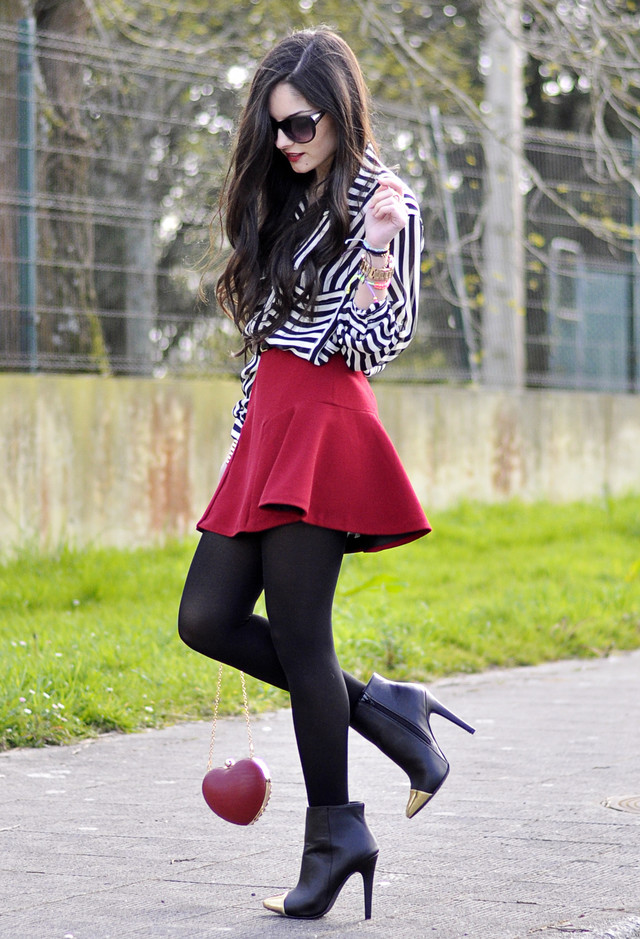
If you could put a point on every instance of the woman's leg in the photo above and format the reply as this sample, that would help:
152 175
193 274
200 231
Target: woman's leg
301 564
298 566
216 615
216 618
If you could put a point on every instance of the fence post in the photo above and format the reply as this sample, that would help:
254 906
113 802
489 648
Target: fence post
634 306
27 224
503 317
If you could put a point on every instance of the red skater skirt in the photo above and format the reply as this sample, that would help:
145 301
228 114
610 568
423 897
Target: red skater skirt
313 449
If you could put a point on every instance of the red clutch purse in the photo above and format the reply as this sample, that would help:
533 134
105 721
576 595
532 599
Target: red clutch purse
237 792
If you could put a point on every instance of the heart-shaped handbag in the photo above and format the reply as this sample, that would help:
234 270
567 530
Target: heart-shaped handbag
239 791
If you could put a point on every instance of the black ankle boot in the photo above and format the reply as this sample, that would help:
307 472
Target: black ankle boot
395 717
337 844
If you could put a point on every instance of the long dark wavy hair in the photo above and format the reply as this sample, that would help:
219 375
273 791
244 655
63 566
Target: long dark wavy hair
262 192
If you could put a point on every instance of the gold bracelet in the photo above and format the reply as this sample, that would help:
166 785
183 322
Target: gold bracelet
386 258
379 274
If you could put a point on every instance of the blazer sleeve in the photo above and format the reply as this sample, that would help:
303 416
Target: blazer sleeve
369 338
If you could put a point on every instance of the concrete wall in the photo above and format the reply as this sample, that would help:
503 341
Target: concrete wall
128 461
490 446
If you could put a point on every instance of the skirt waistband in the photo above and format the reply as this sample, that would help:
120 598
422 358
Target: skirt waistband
284 379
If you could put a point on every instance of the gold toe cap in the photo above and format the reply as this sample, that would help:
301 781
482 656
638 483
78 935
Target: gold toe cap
416 801
275 904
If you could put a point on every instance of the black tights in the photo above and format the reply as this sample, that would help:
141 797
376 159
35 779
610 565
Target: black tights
297 566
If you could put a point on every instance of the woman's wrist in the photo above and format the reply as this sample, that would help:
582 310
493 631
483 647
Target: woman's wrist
379 272
377 261
374 274
374 249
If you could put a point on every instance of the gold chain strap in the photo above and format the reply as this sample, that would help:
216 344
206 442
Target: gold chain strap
245 707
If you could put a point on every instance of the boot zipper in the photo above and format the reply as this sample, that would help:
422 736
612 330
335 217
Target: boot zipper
403 721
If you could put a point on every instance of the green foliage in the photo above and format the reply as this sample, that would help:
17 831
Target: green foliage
88 641
510 585
88 644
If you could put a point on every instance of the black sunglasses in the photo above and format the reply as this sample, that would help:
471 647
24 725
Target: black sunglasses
301 128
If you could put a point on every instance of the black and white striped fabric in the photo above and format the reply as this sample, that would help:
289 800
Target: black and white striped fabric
367 338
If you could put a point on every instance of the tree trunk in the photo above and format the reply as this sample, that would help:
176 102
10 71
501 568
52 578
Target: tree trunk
140 291
503 328
68 235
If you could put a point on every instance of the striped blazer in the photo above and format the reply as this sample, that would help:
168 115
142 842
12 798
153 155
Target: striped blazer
367 338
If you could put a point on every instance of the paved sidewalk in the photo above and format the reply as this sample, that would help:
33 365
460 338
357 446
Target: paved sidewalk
535 833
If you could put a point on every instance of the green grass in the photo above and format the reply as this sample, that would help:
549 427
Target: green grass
88 641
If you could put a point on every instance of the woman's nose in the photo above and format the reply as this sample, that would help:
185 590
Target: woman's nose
281 139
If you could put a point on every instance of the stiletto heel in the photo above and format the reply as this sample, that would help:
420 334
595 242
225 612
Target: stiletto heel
395 717
337 844
436 707
368 872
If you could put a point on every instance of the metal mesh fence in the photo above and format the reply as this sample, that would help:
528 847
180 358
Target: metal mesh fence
111 162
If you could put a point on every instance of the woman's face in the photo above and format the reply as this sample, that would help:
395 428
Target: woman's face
317 154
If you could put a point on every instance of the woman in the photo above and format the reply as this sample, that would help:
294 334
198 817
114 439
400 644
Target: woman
323 283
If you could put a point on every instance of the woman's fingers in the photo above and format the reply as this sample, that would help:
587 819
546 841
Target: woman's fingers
390 181
386 212
388 202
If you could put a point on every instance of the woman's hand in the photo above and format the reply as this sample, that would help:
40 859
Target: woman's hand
386 213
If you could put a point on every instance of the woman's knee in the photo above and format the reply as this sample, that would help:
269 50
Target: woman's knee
204 631
219 592
194 625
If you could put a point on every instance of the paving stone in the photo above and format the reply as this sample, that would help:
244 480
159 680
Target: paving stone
536 832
